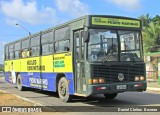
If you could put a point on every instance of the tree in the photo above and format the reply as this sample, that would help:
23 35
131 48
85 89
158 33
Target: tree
156 19
1 69
150 32
146 19
151 36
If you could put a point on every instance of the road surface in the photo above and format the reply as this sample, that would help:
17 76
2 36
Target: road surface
51 99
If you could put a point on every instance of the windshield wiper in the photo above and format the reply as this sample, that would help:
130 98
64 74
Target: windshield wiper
105 58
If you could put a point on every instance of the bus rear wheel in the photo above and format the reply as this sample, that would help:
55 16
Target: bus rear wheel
19 83
110 96
63 90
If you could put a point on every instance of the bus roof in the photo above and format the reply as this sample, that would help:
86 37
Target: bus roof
87 23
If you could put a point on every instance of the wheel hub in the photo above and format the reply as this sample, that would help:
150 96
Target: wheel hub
62 89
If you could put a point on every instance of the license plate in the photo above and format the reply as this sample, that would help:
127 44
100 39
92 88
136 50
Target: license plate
120 87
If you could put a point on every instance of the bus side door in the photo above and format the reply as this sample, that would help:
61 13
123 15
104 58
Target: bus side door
79 62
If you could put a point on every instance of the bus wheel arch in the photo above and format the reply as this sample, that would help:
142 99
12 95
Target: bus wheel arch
58 77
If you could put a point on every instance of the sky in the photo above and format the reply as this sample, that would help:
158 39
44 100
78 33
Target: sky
38 15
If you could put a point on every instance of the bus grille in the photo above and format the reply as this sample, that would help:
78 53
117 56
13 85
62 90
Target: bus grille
110 73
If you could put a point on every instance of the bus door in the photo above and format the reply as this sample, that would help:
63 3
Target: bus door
80 85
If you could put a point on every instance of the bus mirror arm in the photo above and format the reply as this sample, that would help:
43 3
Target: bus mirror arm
86 36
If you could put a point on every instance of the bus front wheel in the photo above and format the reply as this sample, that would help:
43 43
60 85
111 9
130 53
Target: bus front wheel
63 90
19 83
110 96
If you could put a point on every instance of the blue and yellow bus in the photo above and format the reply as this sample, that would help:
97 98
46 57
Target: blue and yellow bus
94 54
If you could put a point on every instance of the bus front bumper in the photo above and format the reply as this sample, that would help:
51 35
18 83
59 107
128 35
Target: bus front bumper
116 88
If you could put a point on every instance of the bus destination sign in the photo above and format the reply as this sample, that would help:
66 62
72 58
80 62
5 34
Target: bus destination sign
115 22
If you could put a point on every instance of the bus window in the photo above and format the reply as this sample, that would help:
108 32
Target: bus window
47 49
25 46
62 34
35 46
11 53
35 51
6 52
6 56
47 38
47 43
103 43
17 49
10 48
82 36
62 46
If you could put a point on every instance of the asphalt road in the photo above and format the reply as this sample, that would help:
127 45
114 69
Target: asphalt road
97 101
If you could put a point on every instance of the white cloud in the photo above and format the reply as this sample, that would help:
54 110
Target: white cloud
127 4
75 8
27 11
11 21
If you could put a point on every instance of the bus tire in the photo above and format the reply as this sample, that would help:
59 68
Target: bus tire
110 96
19 83
63 90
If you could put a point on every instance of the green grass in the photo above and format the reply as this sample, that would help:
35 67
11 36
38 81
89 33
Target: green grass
1 93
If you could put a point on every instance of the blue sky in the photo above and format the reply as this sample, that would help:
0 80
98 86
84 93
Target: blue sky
37 15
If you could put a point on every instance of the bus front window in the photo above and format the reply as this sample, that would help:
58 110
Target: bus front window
130 46
102 45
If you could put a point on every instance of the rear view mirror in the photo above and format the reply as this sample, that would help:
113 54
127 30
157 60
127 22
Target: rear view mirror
86 36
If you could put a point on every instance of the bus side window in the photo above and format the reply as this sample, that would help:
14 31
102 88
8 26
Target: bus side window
29 52
17 50
20 53
16 53
35 46
62 46
66 49
47 49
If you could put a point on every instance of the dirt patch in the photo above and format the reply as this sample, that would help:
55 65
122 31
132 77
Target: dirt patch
7 99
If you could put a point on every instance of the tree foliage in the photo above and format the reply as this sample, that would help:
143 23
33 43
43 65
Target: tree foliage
146 19
1 69
150 32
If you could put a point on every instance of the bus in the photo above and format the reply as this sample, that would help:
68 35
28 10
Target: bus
94 54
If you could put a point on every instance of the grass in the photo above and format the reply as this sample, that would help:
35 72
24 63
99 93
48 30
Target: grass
1 93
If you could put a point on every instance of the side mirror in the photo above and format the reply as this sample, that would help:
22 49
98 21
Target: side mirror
86 36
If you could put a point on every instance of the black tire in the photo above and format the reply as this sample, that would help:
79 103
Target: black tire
19 83
110 96
63 90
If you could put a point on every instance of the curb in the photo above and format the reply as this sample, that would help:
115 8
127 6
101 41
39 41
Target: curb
35 103
153 89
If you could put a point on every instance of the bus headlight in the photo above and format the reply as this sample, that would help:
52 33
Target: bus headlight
136 78
141 78
95 80
101 80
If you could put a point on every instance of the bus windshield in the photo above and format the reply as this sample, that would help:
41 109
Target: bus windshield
105 45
